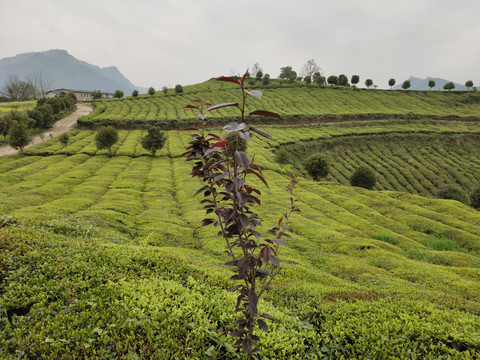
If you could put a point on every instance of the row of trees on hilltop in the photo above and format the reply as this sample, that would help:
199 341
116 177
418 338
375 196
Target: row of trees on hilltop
311 72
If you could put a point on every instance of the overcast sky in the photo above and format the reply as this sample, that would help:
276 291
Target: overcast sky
168 42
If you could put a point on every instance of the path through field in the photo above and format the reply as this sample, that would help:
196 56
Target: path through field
60 127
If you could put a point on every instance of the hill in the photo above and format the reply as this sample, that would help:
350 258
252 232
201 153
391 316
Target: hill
422 84
105 256
62 70
294 102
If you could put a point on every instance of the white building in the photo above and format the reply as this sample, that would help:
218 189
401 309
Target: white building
80 94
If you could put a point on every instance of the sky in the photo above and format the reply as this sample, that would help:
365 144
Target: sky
167 42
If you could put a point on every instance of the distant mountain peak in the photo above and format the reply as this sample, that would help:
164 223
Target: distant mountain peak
422 84
65 71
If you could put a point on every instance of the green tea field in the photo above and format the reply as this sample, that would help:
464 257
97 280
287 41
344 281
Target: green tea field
105 257
294 102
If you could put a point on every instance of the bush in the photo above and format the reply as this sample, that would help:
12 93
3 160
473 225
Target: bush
151 91
451 192
105 138
266 79
18 136
363 177
47 112
317 166
64 138
282 156
135 93
154 140
178 89
232 139
475 197
118 94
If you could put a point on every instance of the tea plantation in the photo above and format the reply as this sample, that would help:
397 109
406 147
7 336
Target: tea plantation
104 257
296 103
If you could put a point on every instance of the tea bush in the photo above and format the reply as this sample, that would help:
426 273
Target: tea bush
364 177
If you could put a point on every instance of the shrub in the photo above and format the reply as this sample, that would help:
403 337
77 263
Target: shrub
317 166
118 94
4 126
320 80
37 116
363 177
178 89
135 93
17 136
47 112
154 140
105 138
232 140
475 197
151 91
282 156
451 192
266 79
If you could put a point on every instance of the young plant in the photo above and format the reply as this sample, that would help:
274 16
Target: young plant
229 200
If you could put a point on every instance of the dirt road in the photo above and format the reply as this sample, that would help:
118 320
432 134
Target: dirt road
60 127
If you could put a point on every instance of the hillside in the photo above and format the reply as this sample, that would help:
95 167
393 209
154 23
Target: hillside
62 70
296 103
123 269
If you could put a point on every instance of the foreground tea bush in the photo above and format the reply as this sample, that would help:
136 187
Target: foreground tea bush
99 297
98 256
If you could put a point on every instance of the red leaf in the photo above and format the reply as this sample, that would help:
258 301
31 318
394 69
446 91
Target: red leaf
220 144
259 176
264 113
192 107
196 100
228 79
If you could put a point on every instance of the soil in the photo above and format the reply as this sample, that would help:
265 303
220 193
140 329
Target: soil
60 127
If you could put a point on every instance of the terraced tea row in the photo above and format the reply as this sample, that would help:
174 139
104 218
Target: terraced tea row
303 103
418 164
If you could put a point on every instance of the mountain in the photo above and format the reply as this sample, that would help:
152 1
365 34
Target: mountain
62 70
422 84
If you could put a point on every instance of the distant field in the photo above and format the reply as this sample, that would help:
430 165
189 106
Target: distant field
407 156
6 107
294 104
418 164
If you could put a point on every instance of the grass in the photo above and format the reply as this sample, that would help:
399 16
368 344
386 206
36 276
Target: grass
6 107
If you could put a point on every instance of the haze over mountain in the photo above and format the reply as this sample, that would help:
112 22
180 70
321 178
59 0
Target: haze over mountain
422 84
62 70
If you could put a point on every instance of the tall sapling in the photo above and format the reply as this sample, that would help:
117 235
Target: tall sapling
228 201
